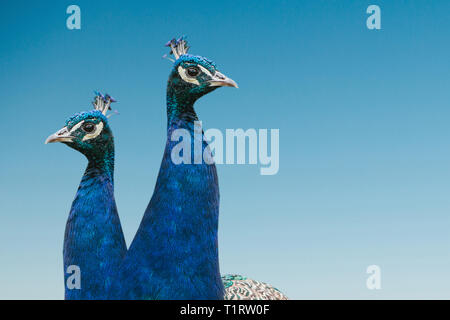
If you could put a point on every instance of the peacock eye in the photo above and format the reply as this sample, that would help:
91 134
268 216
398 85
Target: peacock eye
193 71
88 127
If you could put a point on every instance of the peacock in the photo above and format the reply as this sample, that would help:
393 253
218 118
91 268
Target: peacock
94 245
174 254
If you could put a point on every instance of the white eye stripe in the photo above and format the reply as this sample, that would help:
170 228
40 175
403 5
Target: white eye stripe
76 127
204 70
98 130
185 77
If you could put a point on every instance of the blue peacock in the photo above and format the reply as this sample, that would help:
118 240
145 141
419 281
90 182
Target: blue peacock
174 254
93 241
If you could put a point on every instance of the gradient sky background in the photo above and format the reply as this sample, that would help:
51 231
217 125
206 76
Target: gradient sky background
364 135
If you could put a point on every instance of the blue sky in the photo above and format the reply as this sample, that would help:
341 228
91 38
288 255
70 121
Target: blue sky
364 137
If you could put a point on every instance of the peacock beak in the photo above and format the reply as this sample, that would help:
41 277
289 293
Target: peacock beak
62 135
220 80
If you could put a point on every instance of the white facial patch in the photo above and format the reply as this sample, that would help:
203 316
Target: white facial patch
185 77
206 71
76 127
98 130
92 135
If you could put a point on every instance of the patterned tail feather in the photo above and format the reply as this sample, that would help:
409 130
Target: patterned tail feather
241 288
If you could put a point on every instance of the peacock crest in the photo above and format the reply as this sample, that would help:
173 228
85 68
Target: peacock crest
178 47
102 102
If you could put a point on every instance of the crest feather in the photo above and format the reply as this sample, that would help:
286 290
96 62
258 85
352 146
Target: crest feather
178 47
102 102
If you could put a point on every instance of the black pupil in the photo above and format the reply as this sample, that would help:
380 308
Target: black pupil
88 127
193 71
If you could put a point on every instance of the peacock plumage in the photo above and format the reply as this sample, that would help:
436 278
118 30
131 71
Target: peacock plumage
93 241
238 287
174 254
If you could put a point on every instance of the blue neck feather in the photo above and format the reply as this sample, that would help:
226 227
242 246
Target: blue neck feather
175 252
93 238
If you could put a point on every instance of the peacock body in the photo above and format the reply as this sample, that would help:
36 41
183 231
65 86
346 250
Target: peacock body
174 254
93 240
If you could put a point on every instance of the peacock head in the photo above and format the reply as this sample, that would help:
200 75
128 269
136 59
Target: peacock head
88 132
193 76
